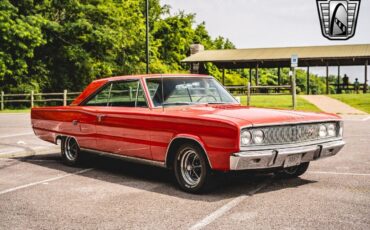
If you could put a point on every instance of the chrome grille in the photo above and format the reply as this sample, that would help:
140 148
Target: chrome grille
292 133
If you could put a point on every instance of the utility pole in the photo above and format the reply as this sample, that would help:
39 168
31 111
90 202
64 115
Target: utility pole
147 35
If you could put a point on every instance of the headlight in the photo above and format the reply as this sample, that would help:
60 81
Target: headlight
341 129
246 138
323 131
331 130
258 136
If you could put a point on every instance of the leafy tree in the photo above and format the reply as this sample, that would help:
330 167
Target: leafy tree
51 45
20 35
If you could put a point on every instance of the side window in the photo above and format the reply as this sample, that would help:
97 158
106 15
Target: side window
140 99
123 93
101 98
120 94
155 91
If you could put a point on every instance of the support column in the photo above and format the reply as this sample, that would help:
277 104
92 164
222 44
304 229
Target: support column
308 80
327 78
257 74
250 75
338 80
294 91
365 83
223 77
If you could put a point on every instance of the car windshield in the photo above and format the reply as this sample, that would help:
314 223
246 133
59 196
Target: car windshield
174 91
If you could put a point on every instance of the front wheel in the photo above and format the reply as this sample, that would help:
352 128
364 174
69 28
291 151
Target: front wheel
294 171
71 153
192 171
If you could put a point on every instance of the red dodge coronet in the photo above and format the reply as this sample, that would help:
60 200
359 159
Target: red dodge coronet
188 123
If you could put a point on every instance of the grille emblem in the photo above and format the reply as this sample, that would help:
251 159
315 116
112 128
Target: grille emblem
310 132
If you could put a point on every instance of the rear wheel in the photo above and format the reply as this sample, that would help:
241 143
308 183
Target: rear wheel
192 171
71 153
294 171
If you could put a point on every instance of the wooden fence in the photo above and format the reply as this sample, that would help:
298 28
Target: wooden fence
249 90
32 98
260 89
64 98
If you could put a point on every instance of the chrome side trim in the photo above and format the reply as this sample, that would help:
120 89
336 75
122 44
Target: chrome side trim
127 158
190 138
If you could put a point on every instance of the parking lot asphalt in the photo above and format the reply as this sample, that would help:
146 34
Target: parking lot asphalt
38 192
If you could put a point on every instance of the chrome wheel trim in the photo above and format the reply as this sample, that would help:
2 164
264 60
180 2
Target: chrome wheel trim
191 168
71 149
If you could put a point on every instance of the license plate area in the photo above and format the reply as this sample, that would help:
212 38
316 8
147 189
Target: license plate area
293 160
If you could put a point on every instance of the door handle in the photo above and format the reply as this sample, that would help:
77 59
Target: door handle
75 122
100 117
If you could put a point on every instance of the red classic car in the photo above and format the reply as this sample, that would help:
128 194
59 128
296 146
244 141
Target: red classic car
187 123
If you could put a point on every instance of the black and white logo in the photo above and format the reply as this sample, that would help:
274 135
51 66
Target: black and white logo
338 18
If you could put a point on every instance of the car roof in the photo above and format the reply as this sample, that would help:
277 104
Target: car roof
117 78
93 86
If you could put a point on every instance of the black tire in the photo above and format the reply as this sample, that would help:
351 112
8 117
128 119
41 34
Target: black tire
71 153
294 171
194 178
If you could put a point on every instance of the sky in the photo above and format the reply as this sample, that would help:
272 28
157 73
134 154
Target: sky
272 23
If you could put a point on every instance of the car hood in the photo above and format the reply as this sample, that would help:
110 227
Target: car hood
243 115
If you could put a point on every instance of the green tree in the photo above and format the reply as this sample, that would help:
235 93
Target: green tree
20 35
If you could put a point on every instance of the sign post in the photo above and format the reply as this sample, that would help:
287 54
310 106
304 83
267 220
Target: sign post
294 64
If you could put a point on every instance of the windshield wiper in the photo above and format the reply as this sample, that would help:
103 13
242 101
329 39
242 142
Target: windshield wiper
215 103
176 103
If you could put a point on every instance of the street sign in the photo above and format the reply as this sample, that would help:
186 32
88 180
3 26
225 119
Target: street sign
294 61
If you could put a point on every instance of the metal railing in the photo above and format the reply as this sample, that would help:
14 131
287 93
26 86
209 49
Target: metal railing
32 98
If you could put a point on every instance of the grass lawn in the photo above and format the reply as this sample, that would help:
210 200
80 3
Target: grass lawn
279 101
15 111
358 101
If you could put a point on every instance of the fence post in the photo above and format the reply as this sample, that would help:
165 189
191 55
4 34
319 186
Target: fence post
65 93
130 92
2 100
32 99
249 94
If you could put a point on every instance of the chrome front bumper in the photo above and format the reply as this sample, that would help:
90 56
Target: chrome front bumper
273 158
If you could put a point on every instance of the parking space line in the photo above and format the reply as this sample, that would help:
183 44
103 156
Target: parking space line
339 173
222 210
366 118
44 181
16 135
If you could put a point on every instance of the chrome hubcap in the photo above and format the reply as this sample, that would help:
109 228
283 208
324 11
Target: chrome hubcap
191 168
71 148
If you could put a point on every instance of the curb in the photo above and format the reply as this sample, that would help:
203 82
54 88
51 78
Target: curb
28 153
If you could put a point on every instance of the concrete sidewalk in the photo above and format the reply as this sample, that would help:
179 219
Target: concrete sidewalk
330 105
